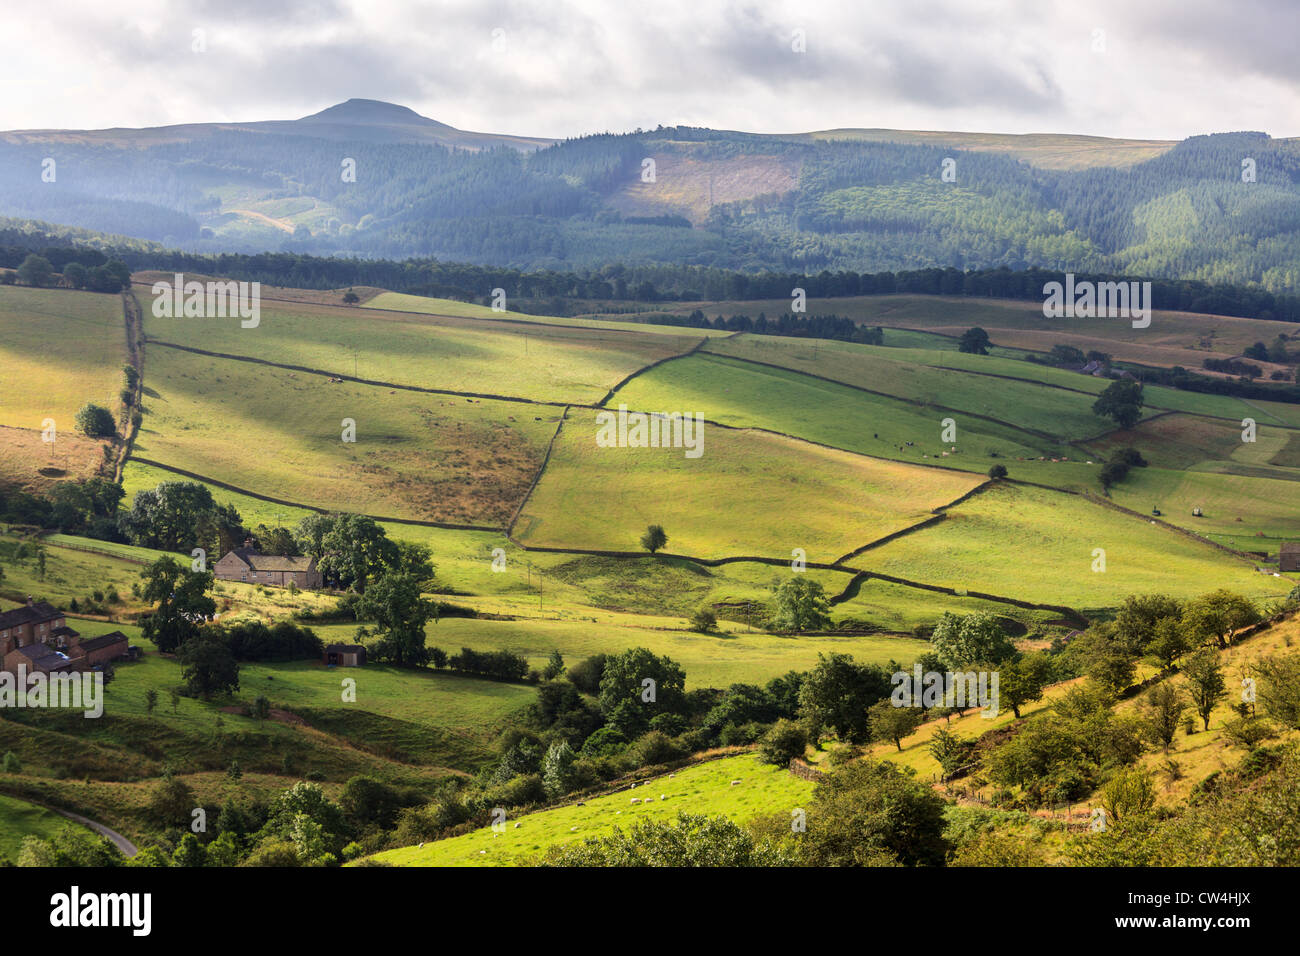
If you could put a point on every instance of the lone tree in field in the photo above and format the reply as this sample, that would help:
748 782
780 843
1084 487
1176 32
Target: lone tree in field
974 341
998 471
1121 402
704 621
801 605
351 298
654 538
96 421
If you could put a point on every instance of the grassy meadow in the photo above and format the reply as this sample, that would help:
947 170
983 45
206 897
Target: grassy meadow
19 820
704 788
843 501
72 343
422 457
1038 544
446 351
747 395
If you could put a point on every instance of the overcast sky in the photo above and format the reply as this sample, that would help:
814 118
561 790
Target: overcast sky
1160 69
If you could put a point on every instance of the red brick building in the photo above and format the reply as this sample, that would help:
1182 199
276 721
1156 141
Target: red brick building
37 637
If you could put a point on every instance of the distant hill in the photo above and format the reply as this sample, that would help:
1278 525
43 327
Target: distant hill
355 120
373 179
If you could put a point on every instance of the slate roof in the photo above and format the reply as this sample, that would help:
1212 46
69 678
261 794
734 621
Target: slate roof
104 640
37 613
271 562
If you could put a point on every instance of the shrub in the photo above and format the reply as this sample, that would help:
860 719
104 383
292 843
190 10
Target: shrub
96 421
783 742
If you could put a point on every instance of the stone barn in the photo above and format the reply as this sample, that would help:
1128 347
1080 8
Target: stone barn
277 570
1288 556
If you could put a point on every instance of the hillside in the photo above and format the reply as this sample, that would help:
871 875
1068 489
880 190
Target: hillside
370 178
476 438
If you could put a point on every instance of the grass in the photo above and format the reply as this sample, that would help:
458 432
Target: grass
1266 507
1038 545
280 433
1066 415
451 351
423 305
19 819
701 789
1173 338
737 499
82 335
747 395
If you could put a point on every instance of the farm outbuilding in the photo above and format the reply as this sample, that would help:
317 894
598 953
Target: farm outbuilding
1288 556
345 655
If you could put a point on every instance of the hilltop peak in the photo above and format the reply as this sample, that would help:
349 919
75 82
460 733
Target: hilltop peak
363 112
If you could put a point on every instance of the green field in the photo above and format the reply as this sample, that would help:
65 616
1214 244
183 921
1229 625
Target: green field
748 395
1173 338
842 501
450 352
702 789
1038 545
19 819
279 433
82 335
402 302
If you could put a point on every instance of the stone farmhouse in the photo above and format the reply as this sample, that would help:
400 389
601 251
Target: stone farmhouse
37 637
245 564
1288 556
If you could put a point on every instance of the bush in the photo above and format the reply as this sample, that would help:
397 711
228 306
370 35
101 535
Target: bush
96 421
784 741
656 748
704 621
606 742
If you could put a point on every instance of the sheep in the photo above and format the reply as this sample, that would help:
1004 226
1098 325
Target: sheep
734 782
662 797
518 825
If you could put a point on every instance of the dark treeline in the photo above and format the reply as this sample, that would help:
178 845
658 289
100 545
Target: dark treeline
574 292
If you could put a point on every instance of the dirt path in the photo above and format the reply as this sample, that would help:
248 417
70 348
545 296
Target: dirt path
263 219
